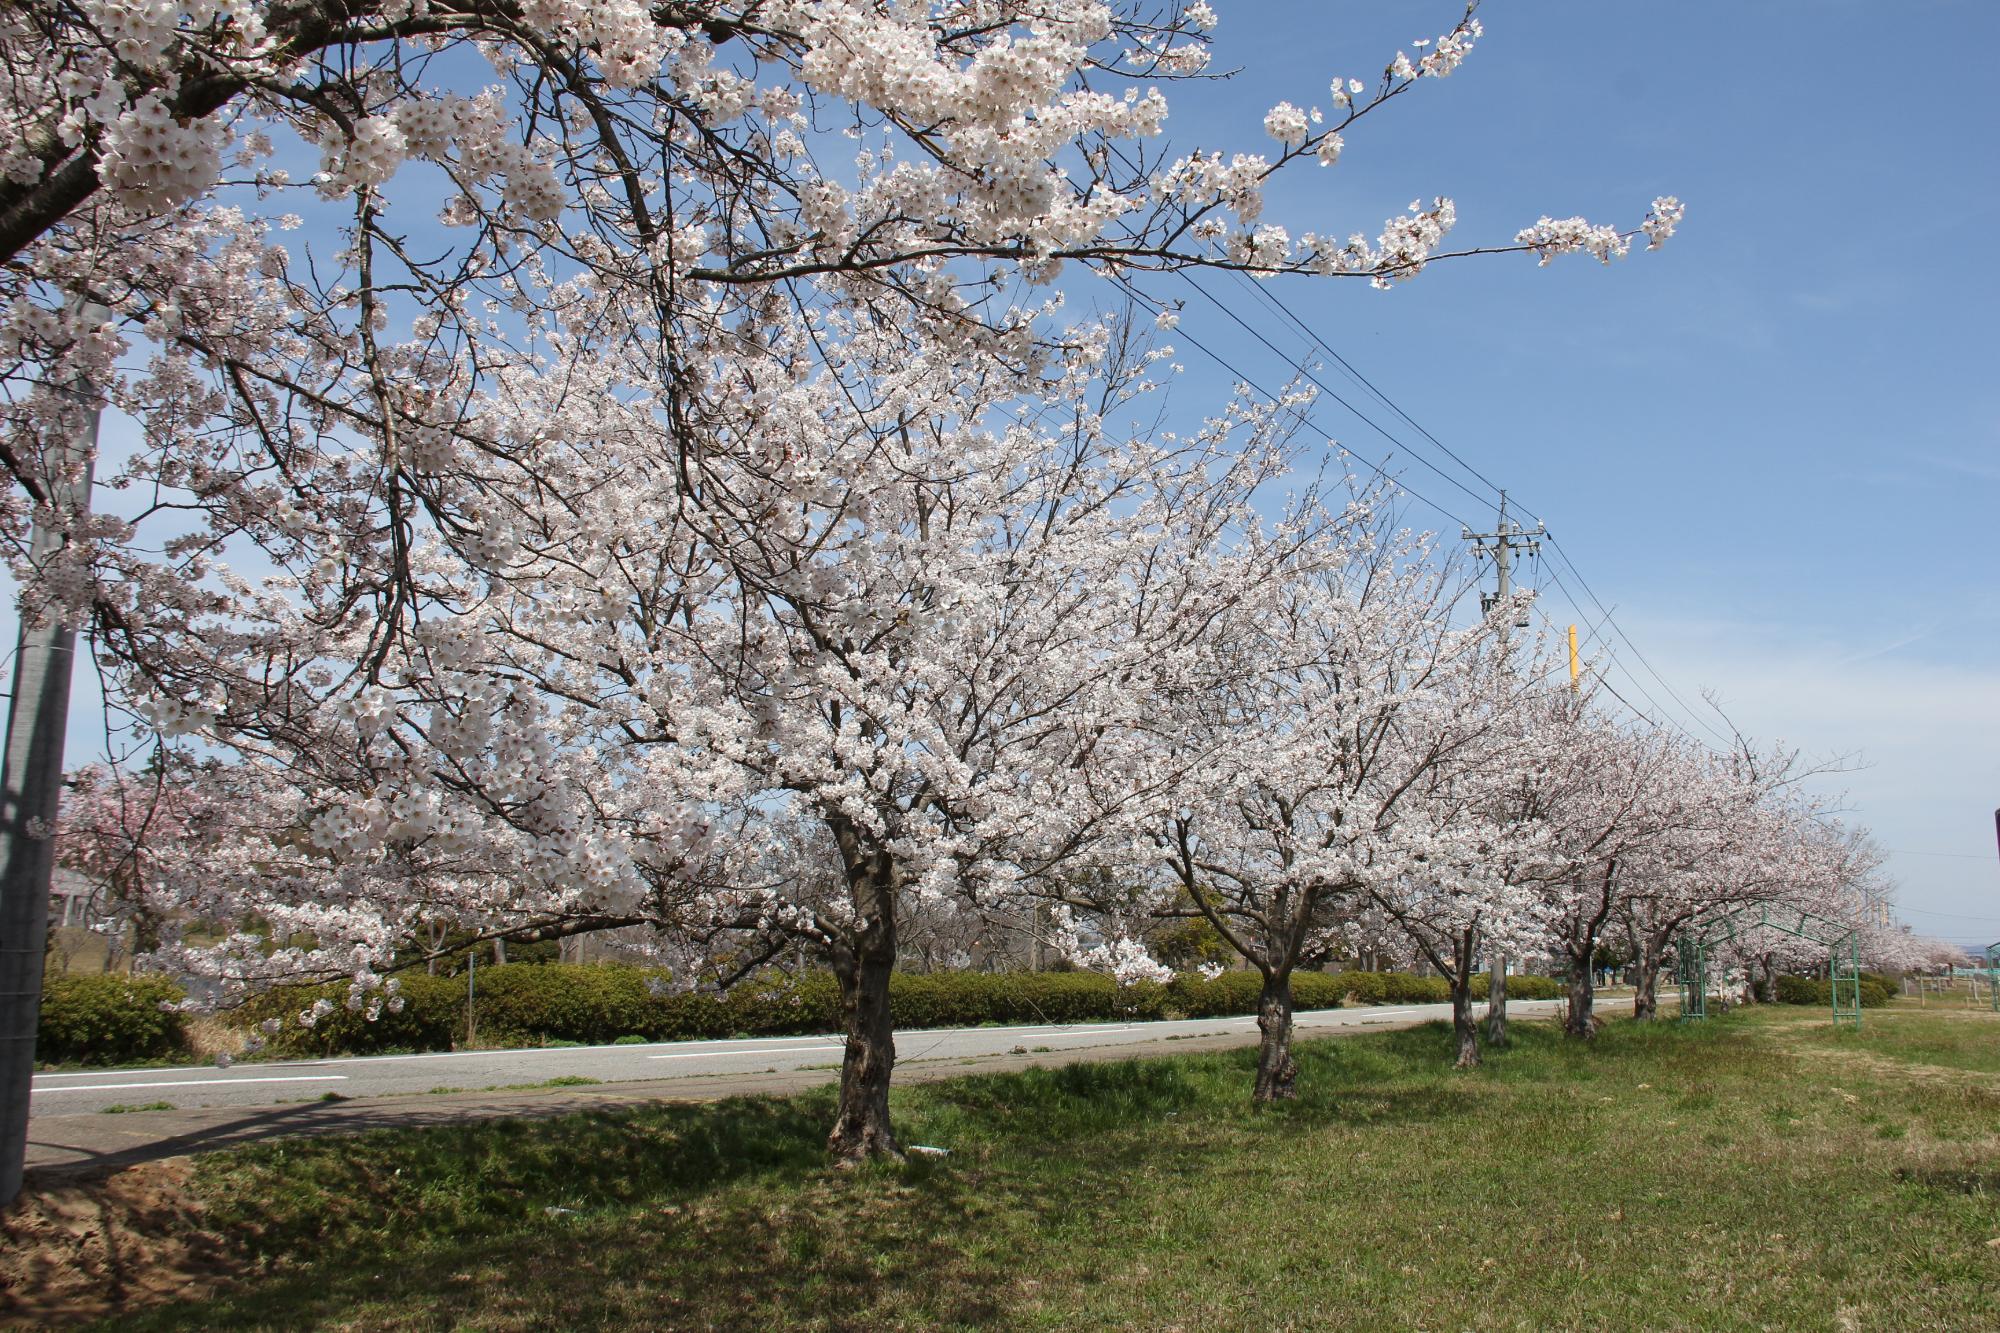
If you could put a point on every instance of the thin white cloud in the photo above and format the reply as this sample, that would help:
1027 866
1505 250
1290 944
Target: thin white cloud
1925 733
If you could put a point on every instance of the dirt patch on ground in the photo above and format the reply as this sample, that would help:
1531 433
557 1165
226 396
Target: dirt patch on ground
78 1248
1895 1067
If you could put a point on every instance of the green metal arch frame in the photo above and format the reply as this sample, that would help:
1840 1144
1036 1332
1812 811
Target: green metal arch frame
1842 941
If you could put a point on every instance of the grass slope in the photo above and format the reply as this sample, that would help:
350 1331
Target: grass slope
1753 1172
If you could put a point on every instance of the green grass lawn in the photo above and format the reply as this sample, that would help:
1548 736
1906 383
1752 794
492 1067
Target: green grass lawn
1756 1172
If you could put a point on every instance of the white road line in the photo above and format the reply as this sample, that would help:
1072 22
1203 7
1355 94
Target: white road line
195 1083
774 1050
1003 1033
711 1045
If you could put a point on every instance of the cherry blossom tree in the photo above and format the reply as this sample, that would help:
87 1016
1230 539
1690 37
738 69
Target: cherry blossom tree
949 690
1739 843
636 204
1329 698
119 830
1467 886
1607 797
576 501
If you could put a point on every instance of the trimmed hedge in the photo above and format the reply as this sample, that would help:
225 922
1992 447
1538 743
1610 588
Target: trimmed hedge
1875 990
1525 986
432 1018
1408 988
602 1003
108 1019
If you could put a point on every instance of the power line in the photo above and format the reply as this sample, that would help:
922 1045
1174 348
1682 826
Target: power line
1276 303
1330 392
1611 659
1953 916
1379 469
1619 630
1271 300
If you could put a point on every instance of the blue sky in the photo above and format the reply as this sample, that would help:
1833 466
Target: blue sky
1768 447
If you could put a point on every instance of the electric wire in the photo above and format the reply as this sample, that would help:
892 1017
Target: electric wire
1305 372
1273 302
1380 470
1619 630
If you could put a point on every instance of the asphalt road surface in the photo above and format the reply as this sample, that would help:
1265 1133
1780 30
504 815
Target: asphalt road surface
273 1083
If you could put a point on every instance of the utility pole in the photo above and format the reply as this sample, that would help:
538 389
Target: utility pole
31 792
1500 545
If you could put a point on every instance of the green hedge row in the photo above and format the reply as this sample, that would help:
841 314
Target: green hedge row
115 1019
432 1018
597 1004
1876 991
1524 986
108 1019
1408 988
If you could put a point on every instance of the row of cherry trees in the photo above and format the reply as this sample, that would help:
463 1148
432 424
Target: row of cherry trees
1120 680
614 465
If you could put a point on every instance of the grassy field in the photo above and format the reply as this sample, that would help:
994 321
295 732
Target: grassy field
1756 1172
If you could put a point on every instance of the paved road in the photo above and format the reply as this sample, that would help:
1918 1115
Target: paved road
214 1108
273 1083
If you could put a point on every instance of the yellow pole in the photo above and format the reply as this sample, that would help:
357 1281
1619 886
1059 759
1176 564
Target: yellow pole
1575 670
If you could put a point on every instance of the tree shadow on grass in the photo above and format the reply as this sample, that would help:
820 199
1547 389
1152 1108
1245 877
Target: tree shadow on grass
726 1215
393 1187
877 1249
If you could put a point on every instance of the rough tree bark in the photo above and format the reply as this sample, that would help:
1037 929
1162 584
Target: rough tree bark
1581 1021
861 1128
1496 1002
1580 944
864 957
1277 1072
1646 988
1463 1025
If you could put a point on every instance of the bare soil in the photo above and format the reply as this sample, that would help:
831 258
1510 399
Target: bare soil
80 1248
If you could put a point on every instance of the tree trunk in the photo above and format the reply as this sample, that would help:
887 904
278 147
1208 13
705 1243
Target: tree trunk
1646 986
1767 981
1496 1001
145 932
861 1130
1581 1022
1463 1025
1277 1073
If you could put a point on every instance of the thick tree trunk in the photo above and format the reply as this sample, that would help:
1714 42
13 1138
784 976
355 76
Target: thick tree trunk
1463 1025
1277 1073
1581 1020
1646 986
1496 1001
1767 979
861 1130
